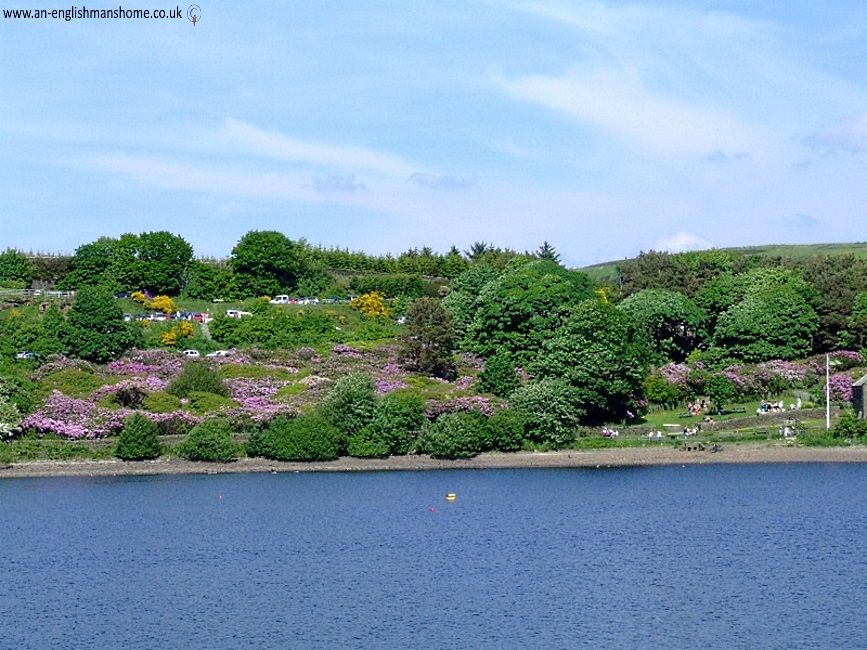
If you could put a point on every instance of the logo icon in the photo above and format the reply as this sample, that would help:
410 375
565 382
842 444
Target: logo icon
194 13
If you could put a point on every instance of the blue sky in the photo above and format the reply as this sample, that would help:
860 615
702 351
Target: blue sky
605 128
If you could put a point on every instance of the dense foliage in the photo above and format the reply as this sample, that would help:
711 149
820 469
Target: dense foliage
308 437
95 329
138 440
428 344
210 441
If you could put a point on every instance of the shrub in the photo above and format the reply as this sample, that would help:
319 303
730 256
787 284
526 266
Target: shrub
453 435
308 437
210 441
372 305
197 376
350 403
850 426
505 431
131 397
10 418
396 422
550 410
138 440
176 425
161 402
201 403
499 377
73 382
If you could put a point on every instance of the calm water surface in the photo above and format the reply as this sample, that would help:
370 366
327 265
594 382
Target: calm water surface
671 557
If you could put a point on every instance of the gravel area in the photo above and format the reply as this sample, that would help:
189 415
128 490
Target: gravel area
771 452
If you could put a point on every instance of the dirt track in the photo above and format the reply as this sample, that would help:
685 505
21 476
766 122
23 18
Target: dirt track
637 456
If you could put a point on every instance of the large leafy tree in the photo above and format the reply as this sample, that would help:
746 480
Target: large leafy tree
602 355
90 264
162 262
428 345
206 281
857 321
519 310
266 263
768 324
154 261
95 329
14 268
672 321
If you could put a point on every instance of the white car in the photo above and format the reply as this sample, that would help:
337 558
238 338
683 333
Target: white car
191 353
234 313
218 353
280 300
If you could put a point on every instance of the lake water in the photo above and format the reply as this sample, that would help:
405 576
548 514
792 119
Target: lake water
671 557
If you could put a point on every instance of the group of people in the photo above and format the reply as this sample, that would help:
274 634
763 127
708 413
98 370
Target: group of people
697 408
776 407
610 433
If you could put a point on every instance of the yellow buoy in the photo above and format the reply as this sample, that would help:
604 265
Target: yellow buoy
451 496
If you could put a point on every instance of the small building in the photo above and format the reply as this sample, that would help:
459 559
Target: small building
858 396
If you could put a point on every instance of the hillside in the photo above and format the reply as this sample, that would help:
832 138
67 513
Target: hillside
608 270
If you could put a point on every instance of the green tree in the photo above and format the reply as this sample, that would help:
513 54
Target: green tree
673 323
90 265
547 252
522 308
15 269
52 327
396 422
428 344
771 324
207 281
350 403
550 410
857 321
602 356
266 263
162 262
139 439
499 376
95 329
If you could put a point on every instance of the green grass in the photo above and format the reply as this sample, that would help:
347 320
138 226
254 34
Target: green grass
51 448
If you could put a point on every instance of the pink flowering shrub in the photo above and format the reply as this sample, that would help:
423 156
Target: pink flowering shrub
435 408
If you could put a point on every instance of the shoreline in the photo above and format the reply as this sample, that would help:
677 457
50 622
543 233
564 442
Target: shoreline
746 453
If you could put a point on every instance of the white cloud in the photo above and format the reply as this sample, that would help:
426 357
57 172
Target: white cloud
620 103
242 137
682 241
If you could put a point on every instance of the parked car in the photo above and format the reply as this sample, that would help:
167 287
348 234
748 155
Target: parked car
235 313
280 300
24 354
191 353
218 353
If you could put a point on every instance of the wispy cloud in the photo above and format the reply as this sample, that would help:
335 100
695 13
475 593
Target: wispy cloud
849 134
439 181
338 183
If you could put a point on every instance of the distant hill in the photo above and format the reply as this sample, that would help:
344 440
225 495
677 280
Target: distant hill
608 270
